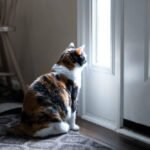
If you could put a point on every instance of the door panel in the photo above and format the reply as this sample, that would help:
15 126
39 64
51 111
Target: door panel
136 61
101 95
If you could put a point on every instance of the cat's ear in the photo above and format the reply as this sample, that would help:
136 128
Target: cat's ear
80 50
71 45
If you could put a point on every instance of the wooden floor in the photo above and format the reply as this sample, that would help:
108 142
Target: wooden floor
110 137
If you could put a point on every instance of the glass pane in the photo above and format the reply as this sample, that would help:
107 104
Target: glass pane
103 33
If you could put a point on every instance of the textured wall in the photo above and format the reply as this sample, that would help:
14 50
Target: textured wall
44 29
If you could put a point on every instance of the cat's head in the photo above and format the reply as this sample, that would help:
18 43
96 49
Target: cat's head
73 57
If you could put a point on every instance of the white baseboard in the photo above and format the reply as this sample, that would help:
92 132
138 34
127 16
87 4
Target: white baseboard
134 135
100 121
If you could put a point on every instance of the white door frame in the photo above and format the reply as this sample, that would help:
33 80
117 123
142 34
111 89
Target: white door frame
84 9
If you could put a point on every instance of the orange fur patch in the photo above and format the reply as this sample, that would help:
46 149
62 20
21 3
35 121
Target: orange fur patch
30 103
66 61
78 51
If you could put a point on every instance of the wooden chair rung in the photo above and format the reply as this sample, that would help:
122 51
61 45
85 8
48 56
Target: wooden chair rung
4 74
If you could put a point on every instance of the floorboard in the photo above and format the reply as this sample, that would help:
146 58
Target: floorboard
110 137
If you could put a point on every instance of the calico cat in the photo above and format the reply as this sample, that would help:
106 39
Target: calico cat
50 103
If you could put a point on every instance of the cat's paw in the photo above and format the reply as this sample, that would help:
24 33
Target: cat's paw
64 127
75 127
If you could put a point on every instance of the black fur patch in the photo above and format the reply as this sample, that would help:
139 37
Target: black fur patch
74 98
44 101
70 85
73 89
52 95
78 59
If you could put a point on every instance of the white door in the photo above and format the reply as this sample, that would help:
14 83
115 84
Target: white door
137 61
101 85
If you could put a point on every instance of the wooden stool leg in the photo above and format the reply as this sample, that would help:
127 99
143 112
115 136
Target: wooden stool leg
5 65
9 48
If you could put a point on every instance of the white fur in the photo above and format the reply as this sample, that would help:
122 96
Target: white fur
71 119
59 127
72 122
71 44
68 113
53 129
74 75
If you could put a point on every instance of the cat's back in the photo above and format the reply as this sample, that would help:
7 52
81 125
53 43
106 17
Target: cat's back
47 90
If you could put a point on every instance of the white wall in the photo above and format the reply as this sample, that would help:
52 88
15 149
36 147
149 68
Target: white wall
44 29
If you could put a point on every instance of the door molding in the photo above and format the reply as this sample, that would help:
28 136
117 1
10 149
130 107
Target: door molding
120 44
83 34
